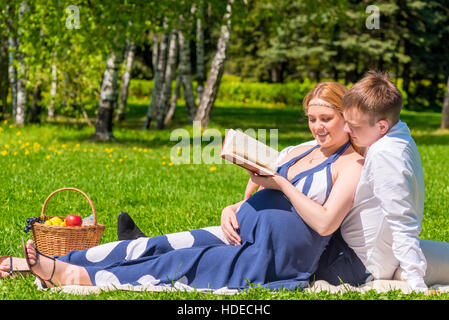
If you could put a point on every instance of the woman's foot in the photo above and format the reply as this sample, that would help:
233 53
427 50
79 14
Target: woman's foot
53 272
40 265
11 266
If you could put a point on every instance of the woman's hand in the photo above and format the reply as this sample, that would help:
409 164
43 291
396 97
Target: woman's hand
270 182
229 224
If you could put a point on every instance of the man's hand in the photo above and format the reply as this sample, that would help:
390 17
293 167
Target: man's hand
229 224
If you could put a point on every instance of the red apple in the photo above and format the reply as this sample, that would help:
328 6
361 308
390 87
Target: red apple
72 220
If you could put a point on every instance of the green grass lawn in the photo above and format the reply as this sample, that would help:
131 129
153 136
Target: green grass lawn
136 174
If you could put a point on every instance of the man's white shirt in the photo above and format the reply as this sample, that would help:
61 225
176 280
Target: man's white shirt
384 223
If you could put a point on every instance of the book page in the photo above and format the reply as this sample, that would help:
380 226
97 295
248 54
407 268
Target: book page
243 149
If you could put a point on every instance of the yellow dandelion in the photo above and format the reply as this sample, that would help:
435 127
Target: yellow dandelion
30 191
77 145
15 153
5 121
4 153
11 126
134 148
125 156
13 164
112 160
110 156
213 168
163 162
170 164
84 150
163 157
27 152
120 160
6 146
47 157
91 150
107 166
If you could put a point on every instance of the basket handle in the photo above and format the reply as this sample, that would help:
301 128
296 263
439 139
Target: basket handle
74 189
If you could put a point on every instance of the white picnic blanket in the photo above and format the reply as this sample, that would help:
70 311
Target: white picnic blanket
437 278
317 286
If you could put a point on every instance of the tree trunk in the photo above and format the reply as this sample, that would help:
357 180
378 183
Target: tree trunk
185 70
200 55
445 114
158 81
171 112
216 72
35 109
20 115
54 86
126 77
108 99
12 70
164 101
4 86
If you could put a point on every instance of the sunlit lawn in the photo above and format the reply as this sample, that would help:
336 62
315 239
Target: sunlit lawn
136 174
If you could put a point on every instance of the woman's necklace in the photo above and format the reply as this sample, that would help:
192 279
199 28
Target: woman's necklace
312 158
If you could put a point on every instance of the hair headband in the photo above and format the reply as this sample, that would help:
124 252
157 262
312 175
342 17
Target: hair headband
323 105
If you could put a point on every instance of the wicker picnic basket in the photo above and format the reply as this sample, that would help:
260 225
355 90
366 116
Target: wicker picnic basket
58 240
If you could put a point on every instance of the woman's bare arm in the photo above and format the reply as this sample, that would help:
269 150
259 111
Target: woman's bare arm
324 219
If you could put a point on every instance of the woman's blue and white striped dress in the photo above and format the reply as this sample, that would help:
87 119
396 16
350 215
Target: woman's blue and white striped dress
278 249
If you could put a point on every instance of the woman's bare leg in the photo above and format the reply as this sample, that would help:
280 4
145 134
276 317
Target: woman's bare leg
64 274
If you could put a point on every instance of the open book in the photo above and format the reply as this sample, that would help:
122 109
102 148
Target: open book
249 153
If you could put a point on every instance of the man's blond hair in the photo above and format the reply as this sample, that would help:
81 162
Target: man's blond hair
376 96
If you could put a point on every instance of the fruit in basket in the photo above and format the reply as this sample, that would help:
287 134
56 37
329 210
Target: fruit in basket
30 222
55 221
72 220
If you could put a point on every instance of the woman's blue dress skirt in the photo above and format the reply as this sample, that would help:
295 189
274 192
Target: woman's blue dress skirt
278 250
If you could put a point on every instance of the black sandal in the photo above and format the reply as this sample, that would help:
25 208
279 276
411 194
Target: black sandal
43 282
13 271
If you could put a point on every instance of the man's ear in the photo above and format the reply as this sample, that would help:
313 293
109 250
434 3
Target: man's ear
383 126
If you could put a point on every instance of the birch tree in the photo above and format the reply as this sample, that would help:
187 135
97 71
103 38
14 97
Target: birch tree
445 114
200 71
164 100
126 77
54 86
185 71
174 99
108 98
4 86
216 71
20 113
12 70
159 77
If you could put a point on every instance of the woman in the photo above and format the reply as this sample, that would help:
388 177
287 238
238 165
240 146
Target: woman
284 227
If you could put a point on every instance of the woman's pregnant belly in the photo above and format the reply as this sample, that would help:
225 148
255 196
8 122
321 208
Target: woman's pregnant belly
268 219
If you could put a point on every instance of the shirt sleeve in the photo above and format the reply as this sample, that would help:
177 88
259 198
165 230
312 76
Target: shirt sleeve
401 193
